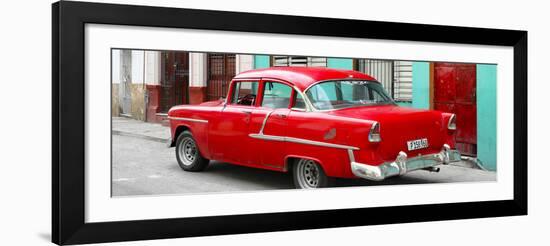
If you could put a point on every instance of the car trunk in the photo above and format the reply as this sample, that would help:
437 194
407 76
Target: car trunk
399 125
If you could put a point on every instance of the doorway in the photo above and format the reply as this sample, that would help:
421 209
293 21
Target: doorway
174 86
221 70
455 92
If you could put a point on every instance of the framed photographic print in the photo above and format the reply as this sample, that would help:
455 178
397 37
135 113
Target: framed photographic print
175 122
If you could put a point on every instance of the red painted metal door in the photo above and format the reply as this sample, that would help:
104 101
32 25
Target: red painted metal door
221 70
175 80
455 92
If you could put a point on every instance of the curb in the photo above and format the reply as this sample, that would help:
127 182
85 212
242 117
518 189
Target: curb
135 135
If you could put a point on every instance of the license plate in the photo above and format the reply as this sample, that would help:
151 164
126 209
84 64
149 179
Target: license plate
417 144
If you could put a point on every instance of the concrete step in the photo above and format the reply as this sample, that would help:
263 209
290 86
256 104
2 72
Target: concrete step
164 119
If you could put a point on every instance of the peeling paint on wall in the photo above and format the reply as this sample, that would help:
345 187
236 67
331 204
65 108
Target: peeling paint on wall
138 102
115 105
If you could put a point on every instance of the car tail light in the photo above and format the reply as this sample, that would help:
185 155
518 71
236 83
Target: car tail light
374 134
452 122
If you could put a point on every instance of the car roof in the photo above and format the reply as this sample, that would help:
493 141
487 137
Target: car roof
303 77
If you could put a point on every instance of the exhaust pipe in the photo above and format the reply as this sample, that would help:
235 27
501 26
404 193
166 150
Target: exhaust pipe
432 169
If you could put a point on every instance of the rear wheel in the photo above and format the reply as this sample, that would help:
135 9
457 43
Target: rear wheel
308 174
188 155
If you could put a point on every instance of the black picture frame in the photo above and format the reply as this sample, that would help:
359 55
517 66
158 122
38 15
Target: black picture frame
68 172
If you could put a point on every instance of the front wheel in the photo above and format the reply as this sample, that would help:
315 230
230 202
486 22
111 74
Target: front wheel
188 155
308 174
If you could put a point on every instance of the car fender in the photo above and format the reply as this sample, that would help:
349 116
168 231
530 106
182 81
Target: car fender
287 164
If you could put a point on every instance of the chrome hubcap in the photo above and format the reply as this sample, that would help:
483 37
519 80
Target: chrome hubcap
188 151
308 173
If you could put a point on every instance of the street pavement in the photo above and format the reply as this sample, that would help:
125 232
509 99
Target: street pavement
134 128
142 164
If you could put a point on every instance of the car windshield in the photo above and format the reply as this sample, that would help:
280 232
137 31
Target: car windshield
339 94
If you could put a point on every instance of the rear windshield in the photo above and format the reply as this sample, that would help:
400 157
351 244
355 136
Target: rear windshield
339 94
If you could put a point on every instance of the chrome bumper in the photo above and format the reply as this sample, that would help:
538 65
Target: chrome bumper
403 165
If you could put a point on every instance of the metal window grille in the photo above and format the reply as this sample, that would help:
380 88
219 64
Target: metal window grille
381 70
221 69
395 76
175 80
299 61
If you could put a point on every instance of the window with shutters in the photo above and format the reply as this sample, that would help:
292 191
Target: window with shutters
299 61
402 81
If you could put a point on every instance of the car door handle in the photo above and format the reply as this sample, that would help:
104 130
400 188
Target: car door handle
246 111
281 115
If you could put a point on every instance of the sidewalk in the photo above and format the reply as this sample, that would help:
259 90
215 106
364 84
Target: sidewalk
134 128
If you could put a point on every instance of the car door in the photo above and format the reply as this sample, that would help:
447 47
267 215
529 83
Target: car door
274 103
230 134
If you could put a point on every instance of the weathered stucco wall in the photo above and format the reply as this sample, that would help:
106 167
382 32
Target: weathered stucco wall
115 105
138 102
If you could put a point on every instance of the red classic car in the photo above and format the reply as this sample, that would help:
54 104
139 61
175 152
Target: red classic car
317 123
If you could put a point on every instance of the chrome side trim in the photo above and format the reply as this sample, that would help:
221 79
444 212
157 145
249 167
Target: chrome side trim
300 141
261 135
351 156
188 119
265 121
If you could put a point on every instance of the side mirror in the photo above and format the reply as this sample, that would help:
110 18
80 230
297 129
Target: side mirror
223 102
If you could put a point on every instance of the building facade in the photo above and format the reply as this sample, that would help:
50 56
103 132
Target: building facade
145 84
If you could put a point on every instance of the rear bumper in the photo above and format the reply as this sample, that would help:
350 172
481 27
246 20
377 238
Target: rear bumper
403 165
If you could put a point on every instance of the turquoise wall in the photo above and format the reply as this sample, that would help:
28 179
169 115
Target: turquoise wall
486 80
421 85
404 104
340 63
261 61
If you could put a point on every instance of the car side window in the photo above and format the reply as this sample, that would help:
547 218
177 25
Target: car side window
276 95
244 93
